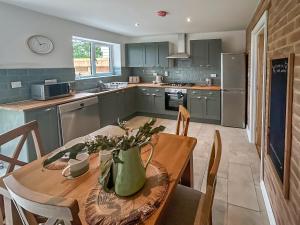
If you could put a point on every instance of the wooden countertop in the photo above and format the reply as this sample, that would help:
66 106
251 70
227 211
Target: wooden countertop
35 104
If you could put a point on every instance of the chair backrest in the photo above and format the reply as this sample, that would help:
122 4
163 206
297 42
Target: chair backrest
204 211
50 207
23 132
184 120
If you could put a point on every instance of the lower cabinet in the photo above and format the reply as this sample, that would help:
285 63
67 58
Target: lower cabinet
151 100
108 109
116 105
205 105
130 102
196 107
47 119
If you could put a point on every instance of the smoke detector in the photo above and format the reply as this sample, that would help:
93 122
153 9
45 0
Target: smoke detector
161 13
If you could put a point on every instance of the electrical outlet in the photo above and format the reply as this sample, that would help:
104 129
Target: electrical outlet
213 75
16 84
52 81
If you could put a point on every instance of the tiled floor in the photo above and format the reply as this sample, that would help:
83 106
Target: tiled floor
238 199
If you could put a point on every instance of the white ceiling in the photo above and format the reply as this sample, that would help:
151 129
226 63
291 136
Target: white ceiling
119 16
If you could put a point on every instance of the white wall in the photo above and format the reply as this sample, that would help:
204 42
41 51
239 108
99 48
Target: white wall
17 24
232 41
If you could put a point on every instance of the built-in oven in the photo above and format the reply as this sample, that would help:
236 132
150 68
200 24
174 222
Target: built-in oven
175 97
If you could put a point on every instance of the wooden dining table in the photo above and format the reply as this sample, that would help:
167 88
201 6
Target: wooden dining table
172 151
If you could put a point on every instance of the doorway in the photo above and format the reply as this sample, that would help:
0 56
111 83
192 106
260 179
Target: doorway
259 90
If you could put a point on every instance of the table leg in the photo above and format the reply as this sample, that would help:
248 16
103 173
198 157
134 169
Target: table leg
187 178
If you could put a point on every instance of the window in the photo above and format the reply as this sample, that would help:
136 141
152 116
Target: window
91 58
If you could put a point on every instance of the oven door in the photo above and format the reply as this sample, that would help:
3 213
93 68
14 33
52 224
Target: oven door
173 100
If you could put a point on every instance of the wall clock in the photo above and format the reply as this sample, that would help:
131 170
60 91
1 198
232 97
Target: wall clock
40 44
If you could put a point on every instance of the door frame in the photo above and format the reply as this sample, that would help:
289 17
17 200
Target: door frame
261 25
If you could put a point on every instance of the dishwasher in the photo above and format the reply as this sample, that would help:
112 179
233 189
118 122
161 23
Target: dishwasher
78 119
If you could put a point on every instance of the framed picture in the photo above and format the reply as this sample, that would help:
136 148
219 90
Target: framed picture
280 117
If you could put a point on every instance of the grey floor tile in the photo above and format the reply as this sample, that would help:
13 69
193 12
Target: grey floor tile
219 212
222 189
242 194
242 216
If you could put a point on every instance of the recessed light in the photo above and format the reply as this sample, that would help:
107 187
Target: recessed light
188 19
136 24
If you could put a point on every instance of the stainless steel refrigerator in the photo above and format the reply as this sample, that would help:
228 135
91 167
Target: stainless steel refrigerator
233 90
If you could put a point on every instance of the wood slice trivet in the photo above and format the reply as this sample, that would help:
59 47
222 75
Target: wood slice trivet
109 209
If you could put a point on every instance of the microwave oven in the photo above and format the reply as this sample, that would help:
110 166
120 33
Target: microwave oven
50 91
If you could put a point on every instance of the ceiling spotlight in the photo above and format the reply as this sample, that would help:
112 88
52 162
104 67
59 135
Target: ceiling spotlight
188 19
136 24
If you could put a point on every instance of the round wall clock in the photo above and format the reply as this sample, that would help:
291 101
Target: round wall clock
40 44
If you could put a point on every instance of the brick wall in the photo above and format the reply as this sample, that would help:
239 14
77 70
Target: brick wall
283 38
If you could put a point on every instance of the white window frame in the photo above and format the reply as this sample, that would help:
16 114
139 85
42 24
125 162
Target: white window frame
93 58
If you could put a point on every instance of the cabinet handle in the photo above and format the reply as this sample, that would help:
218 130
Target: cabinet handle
49 109
148 94
153 94
199 97
144 89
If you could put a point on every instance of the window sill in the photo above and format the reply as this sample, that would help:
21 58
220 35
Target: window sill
96 76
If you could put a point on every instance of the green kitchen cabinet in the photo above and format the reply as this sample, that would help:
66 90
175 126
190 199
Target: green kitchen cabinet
151 100
135 55
158 104
212 107
144 100
151 55
47 119
206 53
214 52
199 52
108 108
205 105
130 102
163 53
196 107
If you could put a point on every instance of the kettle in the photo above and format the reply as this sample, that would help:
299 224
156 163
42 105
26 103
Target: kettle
159 79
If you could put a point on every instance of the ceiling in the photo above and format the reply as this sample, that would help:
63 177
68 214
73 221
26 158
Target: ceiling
119 16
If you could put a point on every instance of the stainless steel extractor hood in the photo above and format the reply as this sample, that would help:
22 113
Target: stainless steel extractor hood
181 49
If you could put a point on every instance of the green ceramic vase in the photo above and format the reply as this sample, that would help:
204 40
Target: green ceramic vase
131 174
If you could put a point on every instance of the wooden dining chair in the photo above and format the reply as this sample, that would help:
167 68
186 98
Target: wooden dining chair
57 210
23 131
183 119
191 207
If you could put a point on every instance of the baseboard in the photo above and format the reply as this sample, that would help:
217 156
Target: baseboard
248 133
267 203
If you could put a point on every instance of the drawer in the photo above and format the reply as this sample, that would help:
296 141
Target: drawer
203 93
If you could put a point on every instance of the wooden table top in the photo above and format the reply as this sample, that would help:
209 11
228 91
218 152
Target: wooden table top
172 151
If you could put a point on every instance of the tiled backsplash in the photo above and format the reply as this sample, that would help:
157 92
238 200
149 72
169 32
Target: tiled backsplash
28 77
31 76
181 72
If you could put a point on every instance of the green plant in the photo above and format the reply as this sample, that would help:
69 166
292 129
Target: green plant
132 138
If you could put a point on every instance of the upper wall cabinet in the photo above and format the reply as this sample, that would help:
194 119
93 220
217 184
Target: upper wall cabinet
151 55
206 53
135 55
147 54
